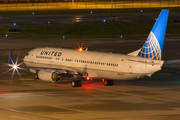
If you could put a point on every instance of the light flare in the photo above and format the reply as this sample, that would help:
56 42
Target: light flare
15 68
87 78
80 48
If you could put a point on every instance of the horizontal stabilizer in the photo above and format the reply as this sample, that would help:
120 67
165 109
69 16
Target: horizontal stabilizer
172 62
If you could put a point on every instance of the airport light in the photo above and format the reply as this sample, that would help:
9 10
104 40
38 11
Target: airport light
6 35
121 36
63 36
32 13
141 10
155 18
49 22
91 12
104 20
14 24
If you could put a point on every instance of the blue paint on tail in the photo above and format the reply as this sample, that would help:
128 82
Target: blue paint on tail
10 61
153 46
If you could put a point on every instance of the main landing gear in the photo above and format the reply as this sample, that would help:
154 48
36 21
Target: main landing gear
76 83
108 82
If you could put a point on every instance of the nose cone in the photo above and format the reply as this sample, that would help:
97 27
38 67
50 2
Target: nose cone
25 58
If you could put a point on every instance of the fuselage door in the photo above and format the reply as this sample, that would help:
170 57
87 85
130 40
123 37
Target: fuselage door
130 67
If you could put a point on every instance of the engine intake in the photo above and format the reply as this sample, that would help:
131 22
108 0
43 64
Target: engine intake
48 75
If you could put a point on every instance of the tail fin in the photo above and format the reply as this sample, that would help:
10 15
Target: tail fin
10 61
153 46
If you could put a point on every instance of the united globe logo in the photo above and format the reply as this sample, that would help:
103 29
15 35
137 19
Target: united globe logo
151 48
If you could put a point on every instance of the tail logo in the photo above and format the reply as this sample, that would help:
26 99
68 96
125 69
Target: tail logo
151 48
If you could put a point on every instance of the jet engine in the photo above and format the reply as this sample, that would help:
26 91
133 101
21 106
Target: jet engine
48 75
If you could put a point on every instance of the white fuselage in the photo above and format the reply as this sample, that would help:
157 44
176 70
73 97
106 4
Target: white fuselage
95 64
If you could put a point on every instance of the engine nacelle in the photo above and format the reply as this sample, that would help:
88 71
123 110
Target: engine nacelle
48 75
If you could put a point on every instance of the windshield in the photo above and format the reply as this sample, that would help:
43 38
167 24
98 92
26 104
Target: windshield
27 54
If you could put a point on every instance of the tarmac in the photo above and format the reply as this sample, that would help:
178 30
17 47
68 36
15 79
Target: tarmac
26 98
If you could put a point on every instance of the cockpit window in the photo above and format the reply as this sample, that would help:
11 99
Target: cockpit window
27 54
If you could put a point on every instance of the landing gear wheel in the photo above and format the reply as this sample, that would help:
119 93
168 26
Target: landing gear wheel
79 83
36 76
74 83
111 82
106 82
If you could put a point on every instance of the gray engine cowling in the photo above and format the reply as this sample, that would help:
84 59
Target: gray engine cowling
48 75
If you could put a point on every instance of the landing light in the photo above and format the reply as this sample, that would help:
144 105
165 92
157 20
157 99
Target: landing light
15 66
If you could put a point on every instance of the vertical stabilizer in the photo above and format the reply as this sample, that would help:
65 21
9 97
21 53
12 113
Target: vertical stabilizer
10 61
153 47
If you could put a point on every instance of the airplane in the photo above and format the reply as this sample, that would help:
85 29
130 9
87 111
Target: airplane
49 63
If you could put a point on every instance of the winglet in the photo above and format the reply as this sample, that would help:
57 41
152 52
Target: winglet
10 61
153 46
